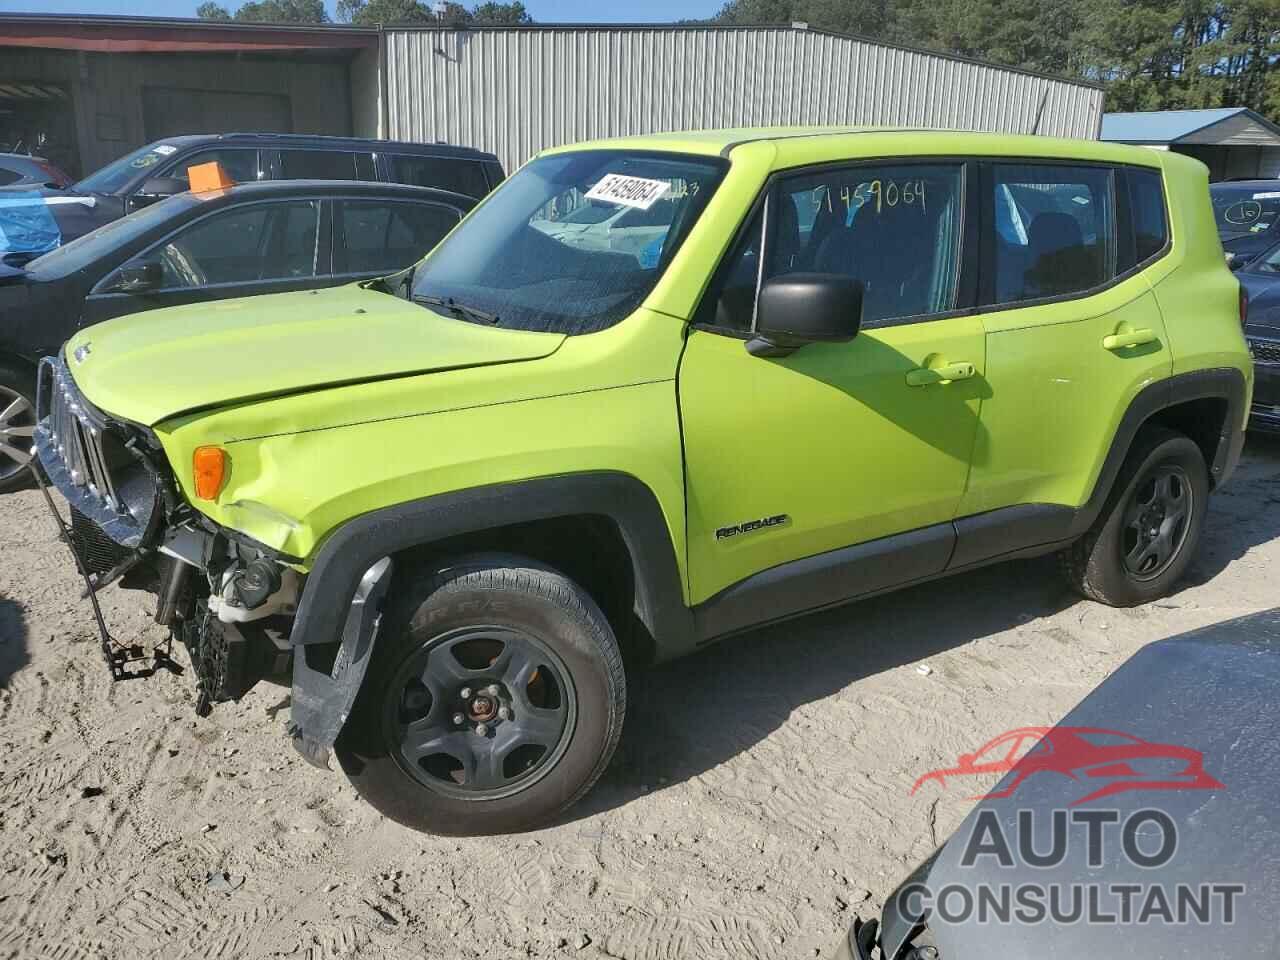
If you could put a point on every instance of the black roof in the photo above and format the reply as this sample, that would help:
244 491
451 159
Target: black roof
302 140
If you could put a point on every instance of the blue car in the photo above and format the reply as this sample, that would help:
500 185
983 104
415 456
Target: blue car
1261 281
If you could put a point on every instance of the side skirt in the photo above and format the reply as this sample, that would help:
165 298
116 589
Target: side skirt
879 566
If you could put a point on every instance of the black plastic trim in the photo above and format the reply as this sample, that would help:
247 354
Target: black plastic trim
1226 383
825 580
985 537
359 543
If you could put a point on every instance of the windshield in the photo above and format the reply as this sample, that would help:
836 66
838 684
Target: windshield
1240 211
524 261
117 175
82 251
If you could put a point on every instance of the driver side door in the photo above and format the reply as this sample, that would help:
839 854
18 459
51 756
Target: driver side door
835 471
246 250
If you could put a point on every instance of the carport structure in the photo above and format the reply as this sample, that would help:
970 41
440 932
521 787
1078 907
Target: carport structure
1233 142
85 90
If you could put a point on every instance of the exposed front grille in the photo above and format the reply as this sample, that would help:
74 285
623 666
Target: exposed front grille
87 461
97 551
1264 351
76 433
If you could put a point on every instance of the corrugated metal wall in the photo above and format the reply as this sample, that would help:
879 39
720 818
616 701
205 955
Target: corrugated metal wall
517 91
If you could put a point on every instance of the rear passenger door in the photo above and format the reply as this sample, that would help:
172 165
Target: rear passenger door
252 248
373 237
1073 330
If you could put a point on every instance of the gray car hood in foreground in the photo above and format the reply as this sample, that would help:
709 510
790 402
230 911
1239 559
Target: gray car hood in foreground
1215 690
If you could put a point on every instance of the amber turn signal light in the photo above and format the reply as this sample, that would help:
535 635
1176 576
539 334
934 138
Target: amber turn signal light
210 467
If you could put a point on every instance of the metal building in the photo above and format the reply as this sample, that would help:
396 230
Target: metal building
85 90
1233 142
516 90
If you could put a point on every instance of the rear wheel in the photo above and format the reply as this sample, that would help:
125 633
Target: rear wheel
1148 531
495 699
17 425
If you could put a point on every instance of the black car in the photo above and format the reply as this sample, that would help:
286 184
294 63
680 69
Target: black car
1248 217
251 239
1145 824
1261 280
18 170
159 170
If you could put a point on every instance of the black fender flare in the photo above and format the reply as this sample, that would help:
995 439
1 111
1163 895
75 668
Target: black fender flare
354 547
1222 383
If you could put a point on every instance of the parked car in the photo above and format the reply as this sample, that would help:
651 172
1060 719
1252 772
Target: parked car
19 170
1261 280
833 377
159 170
197 247
1200 690
1247 214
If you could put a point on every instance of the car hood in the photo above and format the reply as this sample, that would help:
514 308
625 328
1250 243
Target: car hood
1201 691
151 366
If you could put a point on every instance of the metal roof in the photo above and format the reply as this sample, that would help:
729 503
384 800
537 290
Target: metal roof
1231 126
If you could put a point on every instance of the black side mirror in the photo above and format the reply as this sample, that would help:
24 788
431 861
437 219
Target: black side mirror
799 308
157 188
139 276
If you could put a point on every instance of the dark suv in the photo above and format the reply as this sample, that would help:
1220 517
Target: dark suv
159 170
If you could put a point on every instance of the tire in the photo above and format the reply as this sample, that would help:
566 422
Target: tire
17 418
545 730
1118 562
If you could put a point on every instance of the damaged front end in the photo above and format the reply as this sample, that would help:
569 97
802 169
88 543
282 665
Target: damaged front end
229 600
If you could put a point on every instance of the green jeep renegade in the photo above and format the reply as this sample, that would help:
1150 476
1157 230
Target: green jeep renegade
650 393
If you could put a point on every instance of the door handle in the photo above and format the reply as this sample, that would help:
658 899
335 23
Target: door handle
924 376
1130 338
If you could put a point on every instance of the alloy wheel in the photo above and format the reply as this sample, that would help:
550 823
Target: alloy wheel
17 428
481 712
1156 521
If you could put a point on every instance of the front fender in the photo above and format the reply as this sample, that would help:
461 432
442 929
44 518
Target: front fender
360 543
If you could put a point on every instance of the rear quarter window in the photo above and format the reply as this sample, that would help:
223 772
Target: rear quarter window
446 173
1146 214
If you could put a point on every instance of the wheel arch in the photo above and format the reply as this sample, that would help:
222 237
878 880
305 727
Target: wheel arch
615 515
1206 405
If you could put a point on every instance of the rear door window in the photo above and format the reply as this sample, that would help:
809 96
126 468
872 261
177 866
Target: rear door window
1054 231
446 173
382 236
326 165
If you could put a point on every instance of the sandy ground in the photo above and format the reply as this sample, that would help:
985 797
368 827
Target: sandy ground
759 798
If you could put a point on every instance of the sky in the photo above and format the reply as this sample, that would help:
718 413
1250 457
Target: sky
546 11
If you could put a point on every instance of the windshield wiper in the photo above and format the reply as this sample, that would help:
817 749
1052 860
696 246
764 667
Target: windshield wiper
448 303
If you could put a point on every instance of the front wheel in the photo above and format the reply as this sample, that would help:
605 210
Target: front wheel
1148 531
495 699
